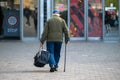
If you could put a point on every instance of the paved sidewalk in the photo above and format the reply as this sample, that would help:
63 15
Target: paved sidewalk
85 61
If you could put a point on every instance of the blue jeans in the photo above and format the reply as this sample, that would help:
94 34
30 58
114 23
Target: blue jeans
54 49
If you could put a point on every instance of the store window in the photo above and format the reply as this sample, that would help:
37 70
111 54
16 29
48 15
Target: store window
77 18
95 18
9 18
30 18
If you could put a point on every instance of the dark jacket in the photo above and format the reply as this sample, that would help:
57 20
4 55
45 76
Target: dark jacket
55 29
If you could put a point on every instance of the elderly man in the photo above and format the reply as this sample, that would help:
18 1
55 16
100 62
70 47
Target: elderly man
55 31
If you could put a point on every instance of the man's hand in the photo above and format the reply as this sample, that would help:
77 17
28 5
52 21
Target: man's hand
41 45
66 42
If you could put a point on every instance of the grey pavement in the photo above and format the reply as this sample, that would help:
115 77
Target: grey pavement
85 61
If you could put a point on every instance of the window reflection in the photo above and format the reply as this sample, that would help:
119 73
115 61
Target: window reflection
30 18
77 18
95 18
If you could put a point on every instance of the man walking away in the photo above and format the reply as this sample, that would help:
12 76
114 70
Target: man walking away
55 31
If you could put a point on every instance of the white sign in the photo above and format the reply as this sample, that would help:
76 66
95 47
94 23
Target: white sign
110 8
12 20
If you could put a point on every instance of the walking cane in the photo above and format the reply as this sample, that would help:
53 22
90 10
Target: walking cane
65 58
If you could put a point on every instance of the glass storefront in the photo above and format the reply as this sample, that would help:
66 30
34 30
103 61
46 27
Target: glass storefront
86 19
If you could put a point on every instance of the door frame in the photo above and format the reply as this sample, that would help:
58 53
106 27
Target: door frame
40 23
22 23
111 39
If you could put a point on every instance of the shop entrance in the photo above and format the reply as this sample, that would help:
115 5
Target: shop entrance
88 20
34 15
29 20
111 21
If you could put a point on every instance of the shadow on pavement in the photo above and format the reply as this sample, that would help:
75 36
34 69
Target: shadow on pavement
30 71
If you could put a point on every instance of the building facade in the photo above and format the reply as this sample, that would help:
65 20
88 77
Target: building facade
86 19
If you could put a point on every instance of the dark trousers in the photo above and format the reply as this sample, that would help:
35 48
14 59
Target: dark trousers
54 49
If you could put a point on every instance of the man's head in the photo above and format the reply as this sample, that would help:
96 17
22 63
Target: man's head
56 12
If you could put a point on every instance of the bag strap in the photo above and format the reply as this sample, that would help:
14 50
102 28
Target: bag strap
40 46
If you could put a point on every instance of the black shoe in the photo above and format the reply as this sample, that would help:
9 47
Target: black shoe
52 69
55 69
